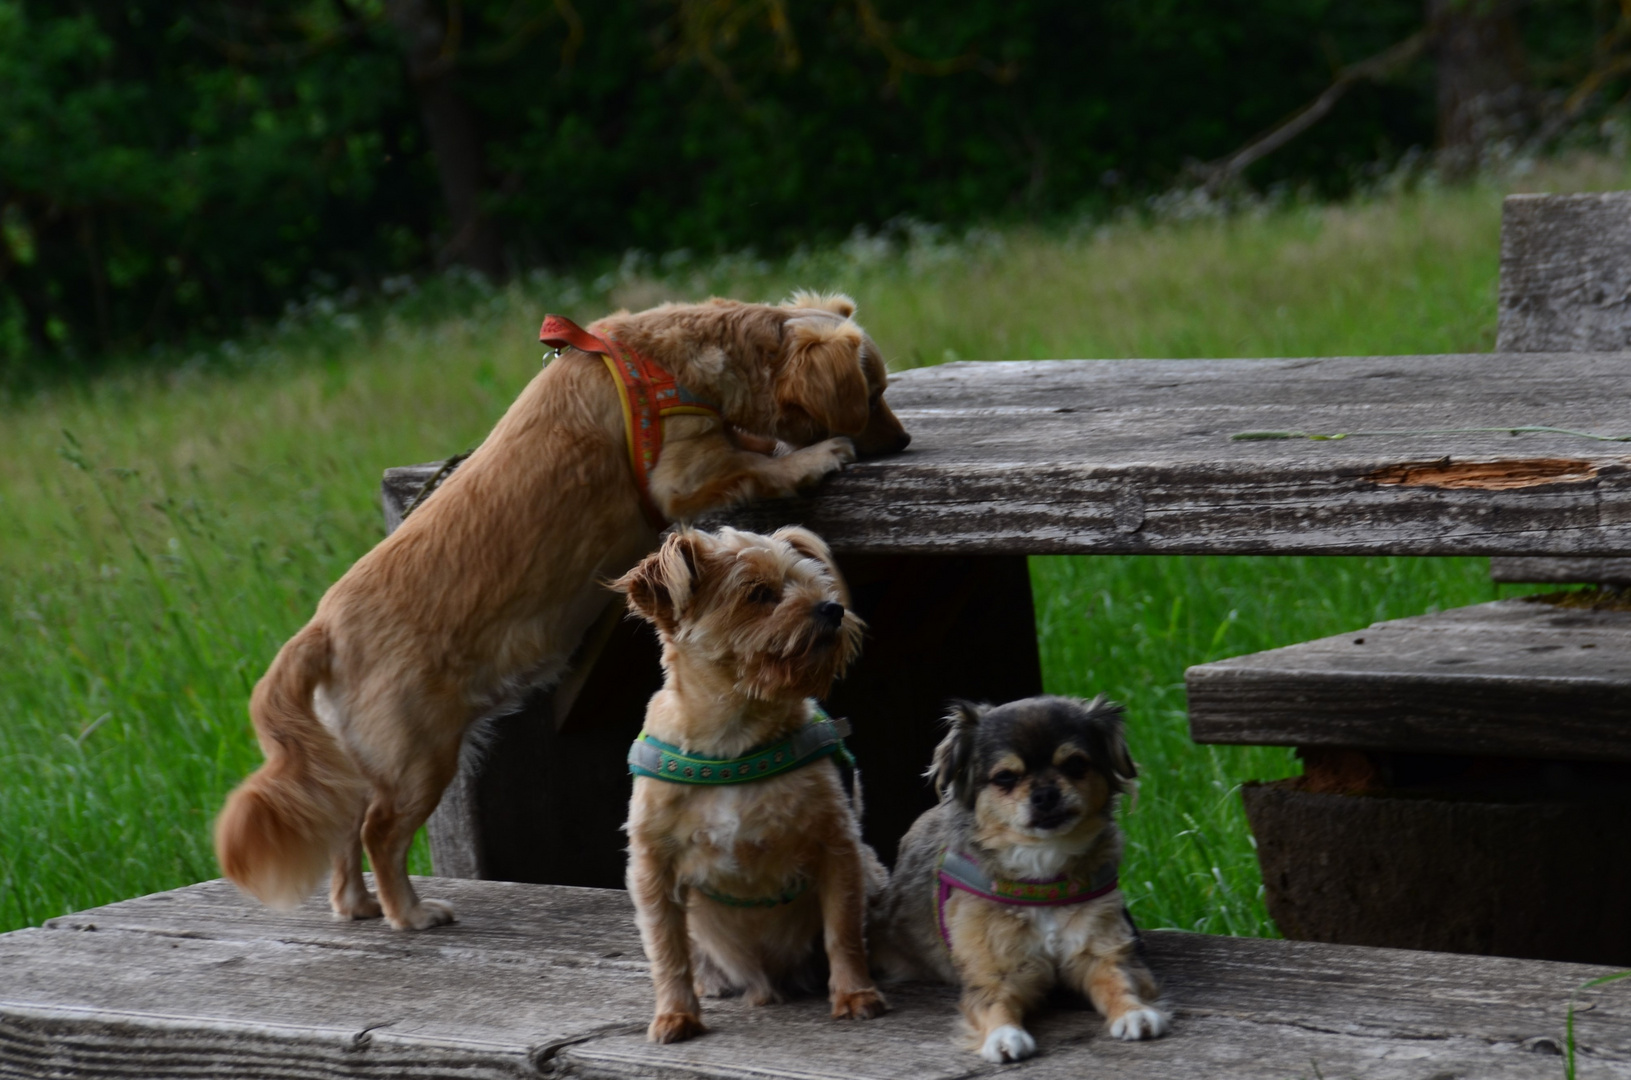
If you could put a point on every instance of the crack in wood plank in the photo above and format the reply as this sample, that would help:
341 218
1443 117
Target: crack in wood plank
1486 475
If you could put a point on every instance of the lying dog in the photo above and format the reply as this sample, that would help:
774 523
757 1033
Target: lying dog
743 847
487 588
1009 885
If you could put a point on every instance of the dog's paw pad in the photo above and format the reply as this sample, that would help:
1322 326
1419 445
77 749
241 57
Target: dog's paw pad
858 1005
1008 1043
674 1027
427 914
1143 1023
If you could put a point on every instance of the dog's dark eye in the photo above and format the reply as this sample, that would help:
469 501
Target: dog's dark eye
1074 767
1005 780
763 594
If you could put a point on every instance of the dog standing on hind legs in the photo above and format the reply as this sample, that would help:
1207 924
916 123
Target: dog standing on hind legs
486 589
744 847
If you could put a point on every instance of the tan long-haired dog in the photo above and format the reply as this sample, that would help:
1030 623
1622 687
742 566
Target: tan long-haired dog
488 587
743 847
1009 885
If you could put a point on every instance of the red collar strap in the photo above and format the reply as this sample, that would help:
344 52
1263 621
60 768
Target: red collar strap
648 394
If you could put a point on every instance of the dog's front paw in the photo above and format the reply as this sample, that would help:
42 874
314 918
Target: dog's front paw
424 915
672 1027
858 1004
1008 1043
825 458
1145 1023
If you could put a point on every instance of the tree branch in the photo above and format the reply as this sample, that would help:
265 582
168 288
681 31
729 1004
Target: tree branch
1371 69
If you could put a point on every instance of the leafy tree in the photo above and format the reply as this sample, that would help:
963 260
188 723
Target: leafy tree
171 169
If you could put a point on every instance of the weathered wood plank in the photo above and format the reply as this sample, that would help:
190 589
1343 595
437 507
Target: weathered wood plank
1565 266
1510 678
1136 456
1527 570
1565 273
539 980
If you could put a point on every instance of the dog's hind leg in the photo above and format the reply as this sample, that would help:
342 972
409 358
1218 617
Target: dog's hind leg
347 893
393 817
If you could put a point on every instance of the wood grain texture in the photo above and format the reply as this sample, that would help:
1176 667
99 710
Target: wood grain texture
1565 268
1530 570
541 980
1511 678
1134 456
1565 273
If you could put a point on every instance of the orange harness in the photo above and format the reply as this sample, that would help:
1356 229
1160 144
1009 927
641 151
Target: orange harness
648 393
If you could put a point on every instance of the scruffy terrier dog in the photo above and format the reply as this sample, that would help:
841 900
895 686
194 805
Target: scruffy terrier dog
743 847
487 588
1009 885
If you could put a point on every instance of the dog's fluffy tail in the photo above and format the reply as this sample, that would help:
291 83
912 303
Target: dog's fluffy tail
278 830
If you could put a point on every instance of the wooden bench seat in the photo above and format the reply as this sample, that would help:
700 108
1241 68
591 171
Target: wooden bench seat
1467 774
1514 678
550 981
1466 779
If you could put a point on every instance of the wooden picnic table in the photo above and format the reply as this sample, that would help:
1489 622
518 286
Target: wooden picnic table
1010 459
1145 457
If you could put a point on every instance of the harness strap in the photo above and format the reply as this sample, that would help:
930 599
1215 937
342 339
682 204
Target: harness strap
647 393
786 896
821 737
959 871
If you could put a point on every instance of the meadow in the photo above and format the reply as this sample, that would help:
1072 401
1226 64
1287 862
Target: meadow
165 528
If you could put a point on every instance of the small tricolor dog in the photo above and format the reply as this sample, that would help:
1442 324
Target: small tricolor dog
744 848
1009 886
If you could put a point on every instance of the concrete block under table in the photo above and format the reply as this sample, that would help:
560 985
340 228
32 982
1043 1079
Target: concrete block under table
1466 778
550 981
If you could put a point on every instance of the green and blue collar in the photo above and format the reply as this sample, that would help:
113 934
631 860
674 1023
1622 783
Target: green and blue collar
821 737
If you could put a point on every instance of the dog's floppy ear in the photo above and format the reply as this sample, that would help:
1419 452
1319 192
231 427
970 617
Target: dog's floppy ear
1105 720
823 376
660 585
837 303
954 757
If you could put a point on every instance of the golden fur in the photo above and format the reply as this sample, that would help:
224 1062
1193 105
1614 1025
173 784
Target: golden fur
752 628
1028 791
487 588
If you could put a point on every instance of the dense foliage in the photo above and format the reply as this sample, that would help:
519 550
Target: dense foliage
172 169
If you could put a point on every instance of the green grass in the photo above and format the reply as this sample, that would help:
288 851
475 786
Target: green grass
162 532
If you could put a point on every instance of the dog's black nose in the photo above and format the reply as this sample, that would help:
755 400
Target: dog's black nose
905 440
1045 798
830 613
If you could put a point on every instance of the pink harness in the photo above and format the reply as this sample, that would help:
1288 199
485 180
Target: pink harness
958 871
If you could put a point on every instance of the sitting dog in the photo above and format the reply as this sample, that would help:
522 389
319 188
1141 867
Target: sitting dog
742 844
1009 885
486 589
